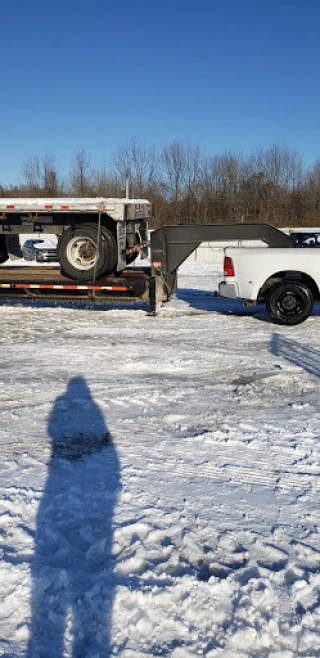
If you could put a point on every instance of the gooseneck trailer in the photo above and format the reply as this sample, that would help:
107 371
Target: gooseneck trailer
98 239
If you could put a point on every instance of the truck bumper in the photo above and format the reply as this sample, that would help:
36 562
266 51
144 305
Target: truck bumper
228 290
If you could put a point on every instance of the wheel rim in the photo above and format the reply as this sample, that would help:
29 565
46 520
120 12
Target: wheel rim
82 252
290 303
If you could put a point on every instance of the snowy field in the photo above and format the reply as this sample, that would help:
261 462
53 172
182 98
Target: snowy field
159 480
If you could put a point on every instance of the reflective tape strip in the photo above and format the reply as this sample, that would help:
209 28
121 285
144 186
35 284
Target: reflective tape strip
54 286
118 288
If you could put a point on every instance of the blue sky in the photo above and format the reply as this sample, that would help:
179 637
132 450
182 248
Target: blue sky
222 74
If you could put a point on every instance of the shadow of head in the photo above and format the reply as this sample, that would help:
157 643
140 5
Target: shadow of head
296 353
76 426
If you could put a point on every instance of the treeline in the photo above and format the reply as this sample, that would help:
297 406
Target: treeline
187 186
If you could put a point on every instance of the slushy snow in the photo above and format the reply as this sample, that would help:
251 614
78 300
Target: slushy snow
159 480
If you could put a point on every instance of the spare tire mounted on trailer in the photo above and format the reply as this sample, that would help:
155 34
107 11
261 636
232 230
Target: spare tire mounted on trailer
81 257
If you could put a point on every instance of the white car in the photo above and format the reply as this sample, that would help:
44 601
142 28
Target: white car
42 251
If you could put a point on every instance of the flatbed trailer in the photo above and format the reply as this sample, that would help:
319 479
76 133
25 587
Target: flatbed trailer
95 236
169 248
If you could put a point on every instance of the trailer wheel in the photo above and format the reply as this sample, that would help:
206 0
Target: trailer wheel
79 255
3 250
289 303
110 251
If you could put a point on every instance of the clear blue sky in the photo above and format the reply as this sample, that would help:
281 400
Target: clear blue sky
224 74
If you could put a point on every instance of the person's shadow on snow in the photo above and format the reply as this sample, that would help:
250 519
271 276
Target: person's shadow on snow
72 569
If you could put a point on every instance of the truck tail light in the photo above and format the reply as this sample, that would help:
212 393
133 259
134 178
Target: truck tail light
228 266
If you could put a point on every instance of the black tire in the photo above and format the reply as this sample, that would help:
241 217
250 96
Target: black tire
3 250
110 251
289 303
79 255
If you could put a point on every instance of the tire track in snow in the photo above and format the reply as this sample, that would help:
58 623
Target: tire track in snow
238 475
238 463
234 461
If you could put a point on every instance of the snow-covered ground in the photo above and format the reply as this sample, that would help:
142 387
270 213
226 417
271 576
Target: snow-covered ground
160 480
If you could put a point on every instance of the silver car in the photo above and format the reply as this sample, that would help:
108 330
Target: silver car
42 251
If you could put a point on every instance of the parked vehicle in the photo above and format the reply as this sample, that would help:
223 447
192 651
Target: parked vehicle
287 281
306 238
42 251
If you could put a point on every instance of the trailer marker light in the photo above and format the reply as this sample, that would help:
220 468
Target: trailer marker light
10 207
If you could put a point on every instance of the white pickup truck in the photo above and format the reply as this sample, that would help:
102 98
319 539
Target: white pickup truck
286 280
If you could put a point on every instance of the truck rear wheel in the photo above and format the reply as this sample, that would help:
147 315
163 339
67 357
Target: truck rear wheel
81 257
289 303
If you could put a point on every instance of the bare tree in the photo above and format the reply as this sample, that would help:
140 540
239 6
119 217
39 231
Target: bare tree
173 168
81 175
280 178
269 184
223 184
138 162
104 183
41 176
311 194
50 176
180 179
32 170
